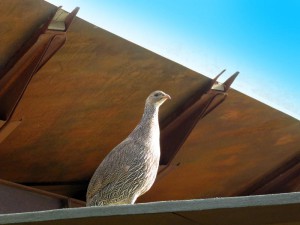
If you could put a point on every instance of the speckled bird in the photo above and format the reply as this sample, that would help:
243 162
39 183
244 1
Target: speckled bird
130 169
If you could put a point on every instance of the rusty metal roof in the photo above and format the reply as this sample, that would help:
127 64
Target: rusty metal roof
91 94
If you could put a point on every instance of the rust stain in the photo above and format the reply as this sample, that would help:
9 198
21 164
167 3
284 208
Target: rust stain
286 139
231 115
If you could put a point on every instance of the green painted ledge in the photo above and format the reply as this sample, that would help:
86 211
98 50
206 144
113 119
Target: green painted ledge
260 209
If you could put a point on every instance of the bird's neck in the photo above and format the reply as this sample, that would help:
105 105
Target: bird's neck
150 115
148 127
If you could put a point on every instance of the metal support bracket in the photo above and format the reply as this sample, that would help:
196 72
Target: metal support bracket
175 132
19 70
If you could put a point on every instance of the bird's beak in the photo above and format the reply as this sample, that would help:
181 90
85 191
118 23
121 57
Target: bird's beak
167 97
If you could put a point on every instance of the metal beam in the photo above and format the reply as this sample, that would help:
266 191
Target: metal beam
280 209
282 179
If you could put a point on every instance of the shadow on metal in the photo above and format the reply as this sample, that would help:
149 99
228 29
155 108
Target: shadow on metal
19 198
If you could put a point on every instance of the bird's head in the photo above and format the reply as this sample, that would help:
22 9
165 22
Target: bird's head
157 98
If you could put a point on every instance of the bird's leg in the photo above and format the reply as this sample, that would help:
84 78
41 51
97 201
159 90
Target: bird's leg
132 200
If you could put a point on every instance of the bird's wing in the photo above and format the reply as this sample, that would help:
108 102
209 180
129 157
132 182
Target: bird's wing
114 166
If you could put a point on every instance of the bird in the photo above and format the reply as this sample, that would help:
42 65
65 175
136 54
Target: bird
129 170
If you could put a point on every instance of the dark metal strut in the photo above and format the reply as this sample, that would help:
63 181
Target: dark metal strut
19 70
175 132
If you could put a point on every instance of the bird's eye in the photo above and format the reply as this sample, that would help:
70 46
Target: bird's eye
156 94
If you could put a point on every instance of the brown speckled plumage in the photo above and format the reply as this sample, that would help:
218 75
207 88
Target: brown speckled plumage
130 169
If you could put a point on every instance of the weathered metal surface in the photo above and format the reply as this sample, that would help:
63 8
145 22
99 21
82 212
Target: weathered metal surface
18 24
86 99
27 60
174 132
228 151
282 179
91 94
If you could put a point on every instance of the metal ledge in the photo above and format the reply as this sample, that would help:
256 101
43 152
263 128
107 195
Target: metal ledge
259 209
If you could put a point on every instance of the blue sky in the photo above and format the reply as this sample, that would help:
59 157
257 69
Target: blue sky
259 38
